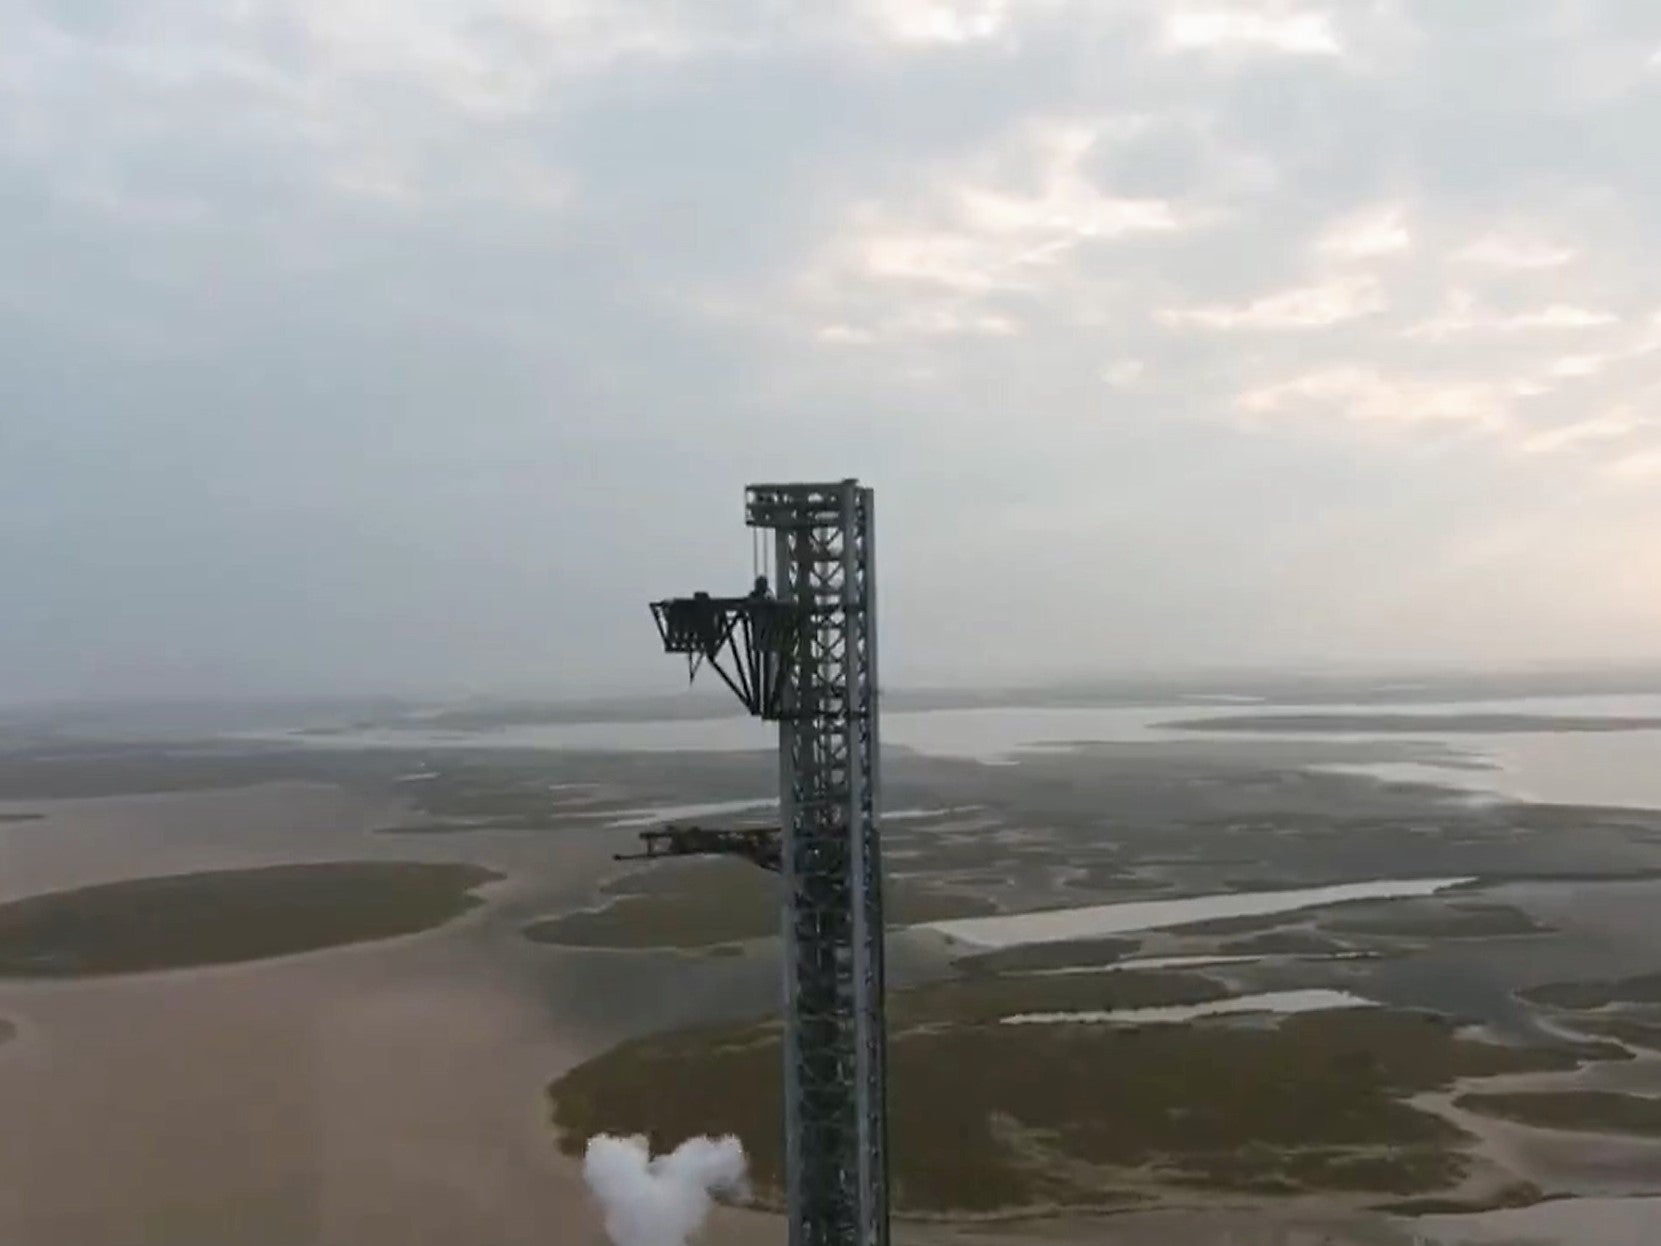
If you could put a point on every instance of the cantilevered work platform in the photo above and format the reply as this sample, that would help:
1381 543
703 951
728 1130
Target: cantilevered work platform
745 640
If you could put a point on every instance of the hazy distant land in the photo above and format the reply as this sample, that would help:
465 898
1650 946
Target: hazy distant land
1417 724
1201 689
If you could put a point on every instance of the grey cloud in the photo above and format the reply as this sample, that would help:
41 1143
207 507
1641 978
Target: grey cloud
340 362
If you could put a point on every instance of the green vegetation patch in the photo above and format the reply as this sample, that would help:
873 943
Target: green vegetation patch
223 916
1074 952
1512 1194
1284 943
940 855
1462 921
487 797
1249 924
1645 989
993 997
1109 877
718 900
1622 1030
484 798
987 1117
1592 1111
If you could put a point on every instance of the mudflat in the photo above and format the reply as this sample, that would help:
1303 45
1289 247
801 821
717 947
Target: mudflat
395 1091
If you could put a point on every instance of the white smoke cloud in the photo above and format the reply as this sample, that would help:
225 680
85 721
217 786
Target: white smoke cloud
661 1201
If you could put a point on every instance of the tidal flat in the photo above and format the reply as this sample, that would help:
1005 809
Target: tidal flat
313 1098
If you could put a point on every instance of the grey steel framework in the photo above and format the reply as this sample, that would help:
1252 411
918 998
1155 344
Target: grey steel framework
805 656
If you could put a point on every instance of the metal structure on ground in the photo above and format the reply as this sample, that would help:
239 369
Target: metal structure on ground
803 654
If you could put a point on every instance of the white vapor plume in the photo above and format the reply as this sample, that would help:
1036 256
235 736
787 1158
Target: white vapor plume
661 1201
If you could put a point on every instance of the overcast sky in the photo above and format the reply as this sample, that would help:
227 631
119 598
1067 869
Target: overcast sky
414 344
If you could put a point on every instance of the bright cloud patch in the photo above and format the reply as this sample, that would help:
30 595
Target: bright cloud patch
1013 223
1365 395
1290 33
1463 314
492 58
1367 235
1125 373
1303 307
940 21
1619 424
1500 250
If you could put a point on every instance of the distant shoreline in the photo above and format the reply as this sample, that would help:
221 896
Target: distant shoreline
1415 724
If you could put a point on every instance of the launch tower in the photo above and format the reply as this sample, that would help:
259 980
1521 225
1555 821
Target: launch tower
802 652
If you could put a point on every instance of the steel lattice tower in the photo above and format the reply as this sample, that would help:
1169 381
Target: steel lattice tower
805 655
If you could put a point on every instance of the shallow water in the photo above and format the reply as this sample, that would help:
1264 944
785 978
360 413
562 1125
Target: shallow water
1615 768
1091 921
1580 1222
1313 1000
386 1094
1147 962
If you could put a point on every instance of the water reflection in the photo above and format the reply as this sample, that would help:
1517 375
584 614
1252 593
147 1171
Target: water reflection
1092 921
1284 1002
